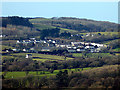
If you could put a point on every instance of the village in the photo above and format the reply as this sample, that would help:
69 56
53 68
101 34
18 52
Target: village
34 46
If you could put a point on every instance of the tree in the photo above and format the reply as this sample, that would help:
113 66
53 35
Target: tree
26 72
65 34
62 79
15 20
50 32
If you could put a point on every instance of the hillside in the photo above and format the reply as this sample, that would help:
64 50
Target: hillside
81 25
15 27
64 23
64 27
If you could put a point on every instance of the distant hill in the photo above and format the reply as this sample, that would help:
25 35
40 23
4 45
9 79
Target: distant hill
15 20
70 23
18 28
82 25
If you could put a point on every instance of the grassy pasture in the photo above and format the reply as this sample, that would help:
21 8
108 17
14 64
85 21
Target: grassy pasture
116 49
77 54
98 54
92 54
21 74
7 42
43 57
68 30
38 19
105 33
7 47
42 26
6 56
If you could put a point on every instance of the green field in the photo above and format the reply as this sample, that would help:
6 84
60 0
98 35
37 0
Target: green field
77 54
7 47
91 54
68 30
116 49
7 57
98 54
105 33
42 26
38 19
21 74
43 57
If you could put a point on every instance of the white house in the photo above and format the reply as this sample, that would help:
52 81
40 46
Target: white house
99 45
80 50
24 50
44 41
28 56
53 41
2 35
62 46
74 47
18 41
14 49
7 51
69 47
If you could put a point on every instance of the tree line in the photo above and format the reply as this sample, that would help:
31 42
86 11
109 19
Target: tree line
100 78
22 64
16 20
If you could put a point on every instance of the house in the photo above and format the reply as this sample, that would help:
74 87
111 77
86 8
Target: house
96 44
62 46
7 51
32 50
26 41
2 35
49 40
73 43
53 42
87 44
89 47
32 38
28 56
74 47
44 41
24 50
18 41
14 49
92 50
57 45
80 50
45 49
68 47
92 35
